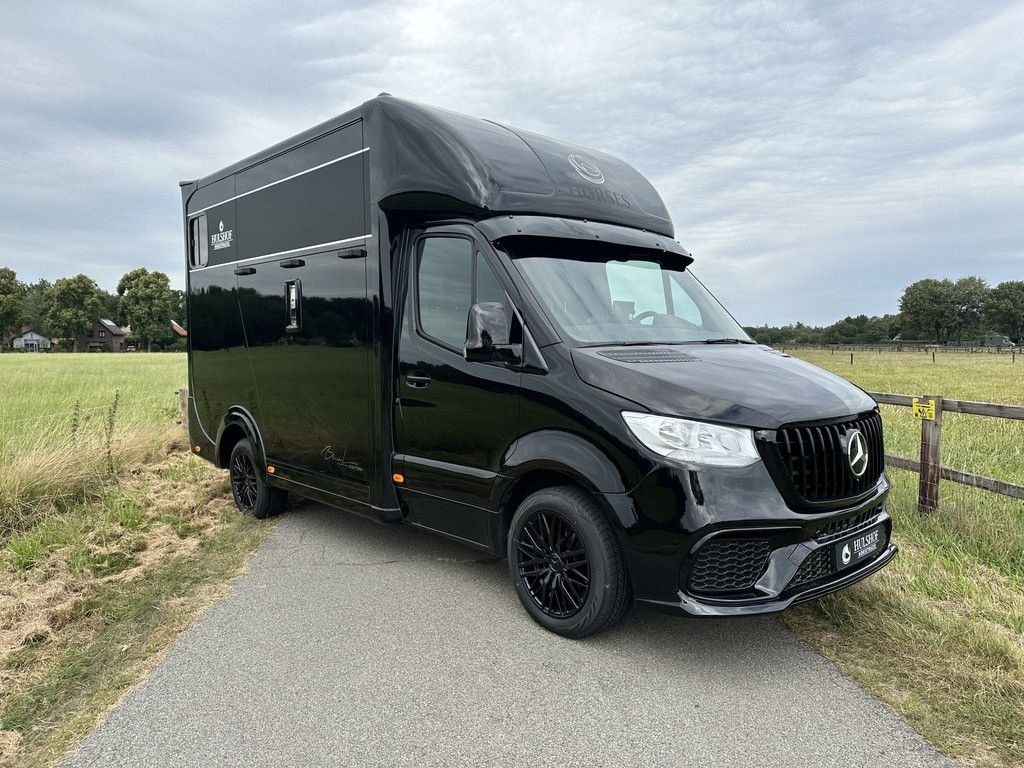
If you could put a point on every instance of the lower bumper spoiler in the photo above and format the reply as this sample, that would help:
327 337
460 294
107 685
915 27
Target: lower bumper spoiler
693 607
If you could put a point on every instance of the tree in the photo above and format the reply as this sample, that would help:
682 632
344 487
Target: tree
178 312
928 305
11 293
111 307
146 304
1004 309
969 295
74 304
33 305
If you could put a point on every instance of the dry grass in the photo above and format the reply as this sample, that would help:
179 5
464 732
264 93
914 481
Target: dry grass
112 539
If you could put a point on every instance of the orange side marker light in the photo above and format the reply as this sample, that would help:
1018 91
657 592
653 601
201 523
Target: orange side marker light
398 478
271 470
198 448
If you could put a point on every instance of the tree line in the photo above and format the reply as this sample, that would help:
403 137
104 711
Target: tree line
934 311
67 308
937 311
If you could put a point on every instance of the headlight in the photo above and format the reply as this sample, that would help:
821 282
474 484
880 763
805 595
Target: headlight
693 442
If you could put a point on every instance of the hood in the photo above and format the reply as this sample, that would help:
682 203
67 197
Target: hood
742 384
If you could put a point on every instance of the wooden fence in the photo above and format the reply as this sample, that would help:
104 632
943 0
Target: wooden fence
1014 351
935 351
929 410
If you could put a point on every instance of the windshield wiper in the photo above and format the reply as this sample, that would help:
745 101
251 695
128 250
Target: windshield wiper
728 341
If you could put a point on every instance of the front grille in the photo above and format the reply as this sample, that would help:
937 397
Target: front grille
726 565
836 529
810 462
817 565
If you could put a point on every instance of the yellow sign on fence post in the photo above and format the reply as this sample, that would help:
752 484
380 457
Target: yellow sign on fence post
923 409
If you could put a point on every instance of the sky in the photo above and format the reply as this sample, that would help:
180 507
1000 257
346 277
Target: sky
815 157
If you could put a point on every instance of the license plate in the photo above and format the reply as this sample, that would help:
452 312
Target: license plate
858 548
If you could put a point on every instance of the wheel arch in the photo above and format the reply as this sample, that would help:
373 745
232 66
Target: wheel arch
239 424
549 458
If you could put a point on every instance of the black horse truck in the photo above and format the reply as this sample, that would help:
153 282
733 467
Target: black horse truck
432 319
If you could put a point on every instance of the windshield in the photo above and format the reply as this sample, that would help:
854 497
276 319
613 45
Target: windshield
605 294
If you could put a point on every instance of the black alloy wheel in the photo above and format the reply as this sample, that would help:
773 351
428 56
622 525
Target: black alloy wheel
249 487
244 484
565 563
553 564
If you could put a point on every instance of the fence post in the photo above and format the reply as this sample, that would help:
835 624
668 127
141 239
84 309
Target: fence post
851 358
183 405
929 410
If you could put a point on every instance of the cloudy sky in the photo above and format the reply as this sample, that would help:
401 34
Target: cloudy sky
815 157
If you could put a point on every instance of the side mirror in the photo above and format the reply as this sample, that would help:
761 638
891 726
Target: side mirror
487 335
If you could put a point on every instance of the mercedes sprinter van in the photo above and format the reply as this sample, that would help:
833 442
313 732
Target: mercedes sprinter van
441 321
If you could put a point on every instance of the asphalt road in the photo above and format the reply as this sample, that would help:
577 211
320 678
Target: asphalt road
351 644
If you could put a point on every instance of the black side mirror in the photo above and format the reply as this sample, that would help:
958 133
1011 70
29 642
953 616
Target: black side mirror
487 335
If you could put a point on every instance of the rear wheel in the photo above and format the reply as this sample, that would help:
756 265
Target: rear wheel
565 563
249 484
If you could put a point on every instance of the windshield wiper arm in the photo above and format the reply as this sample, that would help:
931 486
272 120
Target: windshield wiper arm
728 341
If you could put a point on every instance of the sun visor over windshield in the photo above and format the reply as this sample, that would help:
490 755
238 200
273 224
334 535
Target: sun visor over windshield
503 227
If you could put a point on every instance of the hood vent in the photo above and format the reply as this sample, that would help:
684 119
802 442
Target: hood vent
649 356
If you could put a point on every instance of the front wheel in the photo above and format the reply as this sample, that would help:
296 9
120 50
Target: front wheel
565 563
249 484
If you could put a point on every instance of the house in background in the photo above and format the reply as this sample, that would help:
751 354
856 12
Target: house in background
104 336
30 341
8 340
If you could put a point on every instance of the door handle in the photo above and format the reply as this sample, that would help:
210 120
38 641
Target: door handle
293 305
245 271
417 380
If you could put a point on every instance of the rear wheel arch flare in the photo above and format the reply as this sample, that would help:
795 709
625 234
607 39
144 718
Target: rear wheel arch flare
228 439
238 425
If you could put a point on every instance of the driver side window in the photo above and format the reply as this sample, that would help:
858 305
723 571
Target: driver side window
446 290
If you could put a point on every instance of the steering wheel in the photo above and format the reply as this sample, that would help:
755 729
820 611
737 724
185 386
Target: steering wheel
643 316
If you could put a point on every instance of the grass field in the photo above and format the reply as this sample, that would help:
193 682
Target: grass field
939 635
112 538
64 419
993 447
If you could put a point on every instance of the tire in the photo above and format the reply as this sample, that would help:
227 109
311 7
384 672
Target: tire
565 563
249 484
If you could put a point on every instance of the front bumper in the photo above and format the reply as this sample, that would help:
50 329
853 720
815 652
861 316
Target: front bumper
667 554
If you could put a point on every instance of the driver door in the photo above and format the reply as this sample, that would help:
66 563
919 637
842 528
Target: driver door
454 419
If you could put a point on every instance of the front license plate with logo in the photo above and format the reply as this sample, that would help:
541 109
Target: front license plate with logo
858 548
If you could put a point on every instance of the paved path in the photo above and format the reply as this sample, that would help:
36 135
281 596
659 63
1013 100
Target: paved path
353 644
